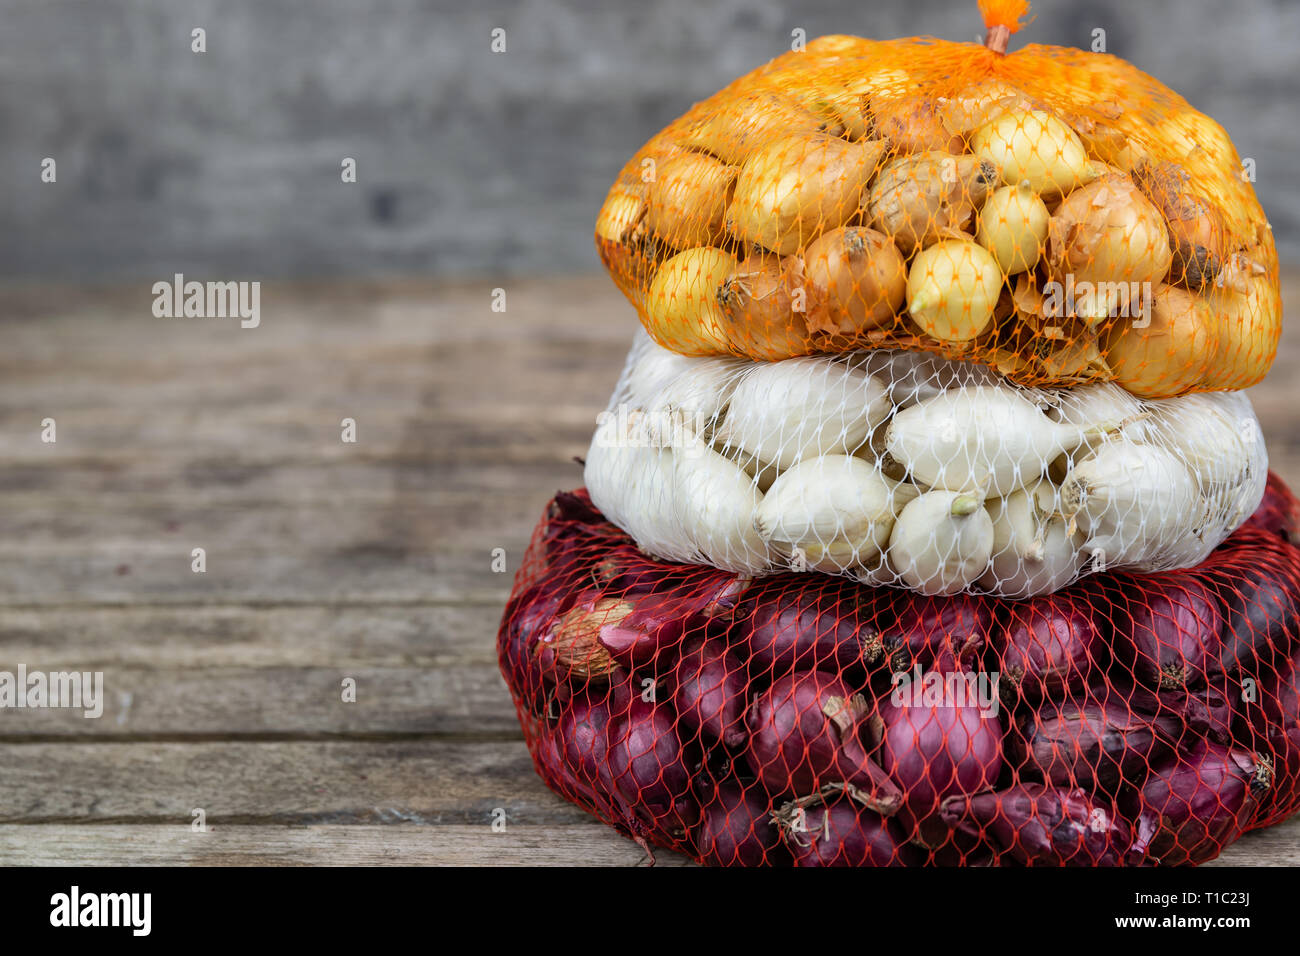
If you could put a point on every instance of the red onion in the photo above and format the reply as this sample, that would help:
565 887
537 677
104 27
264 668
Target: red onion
804 732
651 769
1037 825
1091 744
926 626
528 616
736 829
1278 513
1271 725
790 625
570 648
1257 578
1050 645
661 621
842 832
1174 625
708 687
932 751
1196 804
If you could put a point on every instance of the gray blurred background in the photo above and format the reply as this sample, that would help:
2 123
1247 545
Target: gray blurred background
227 163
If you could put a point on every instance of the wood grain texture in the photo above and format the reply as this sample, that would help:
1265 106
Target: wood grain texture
325 560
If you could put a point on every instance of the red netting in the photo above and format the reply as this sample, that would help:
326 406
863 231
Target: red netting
1127 719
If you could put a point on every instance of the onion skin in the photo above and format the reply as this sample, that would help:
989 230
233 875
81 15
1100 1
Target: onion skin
1036 825
660 622
792 188
681 303
924 628
856 281
1196 230
1196 804
1256 577
1167 357
709 686
651 770
914 124
804 733
686 203
763 304
745 123
1175 626
1091 744
918 200
1050 645
571 649
934 752
736 829
832 627
841 832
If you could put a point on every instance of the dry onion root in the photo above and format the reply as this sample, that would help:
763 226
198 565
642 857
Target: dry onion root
917 200
686 203
856 281
793 188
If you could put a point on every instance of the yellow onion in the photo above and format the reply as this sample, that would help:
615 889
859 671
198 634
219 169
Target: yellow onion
1198 143
856 280
1107 233
763 303
1169 352
620 232
795 187
1012 224
917 200
976 105
686 203
952 289
913 124
1196 232
1035 147
744 122
682 302
1246 304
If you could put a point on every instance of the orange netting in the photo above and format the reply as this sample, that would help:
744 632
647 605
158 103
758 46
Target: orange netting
1054 213
1127 719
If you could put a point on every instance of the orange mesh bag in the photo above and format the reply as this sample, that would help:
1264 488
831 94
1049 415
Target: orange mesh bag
1054 213
1129 719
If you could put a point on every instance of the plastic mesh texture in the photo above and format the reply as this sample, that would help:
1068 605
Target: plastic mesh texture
1130 719
1053 213
909 470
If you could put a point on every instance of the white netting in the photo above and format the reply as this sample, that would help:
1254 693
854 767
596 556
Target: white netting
906 469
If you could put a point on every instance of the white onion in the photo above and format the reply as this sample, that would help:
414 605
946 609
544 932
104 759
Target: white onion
942 542
1033 549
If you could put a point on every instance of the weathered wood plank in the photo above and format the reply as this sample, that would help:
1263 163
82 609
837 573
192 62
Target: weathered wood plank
575 844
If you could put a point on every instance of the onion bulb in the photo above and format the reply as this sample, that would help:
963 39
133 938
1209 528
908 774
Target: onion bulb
1034 551
942 542
984 438
917 200
856 280
686 204
746 121
662 382
792 188
714 503
1167 354
1196 229
783 412
1096 403
764 302
913 124
620 231
830 513
1131 502
682 301
1215 433
1110 235
952 289
976 105
1012 224
1245 311
1035 147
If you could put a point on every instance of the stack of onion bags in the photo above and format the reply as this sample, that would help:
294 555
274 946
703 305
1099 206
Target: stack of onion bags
928 522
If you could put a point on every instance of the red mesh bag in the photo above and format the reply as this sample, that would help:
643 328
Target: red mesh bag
1128 719
1051 212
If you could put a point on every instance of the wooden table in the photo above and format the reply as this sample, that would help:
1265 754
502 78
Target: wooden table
325 560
